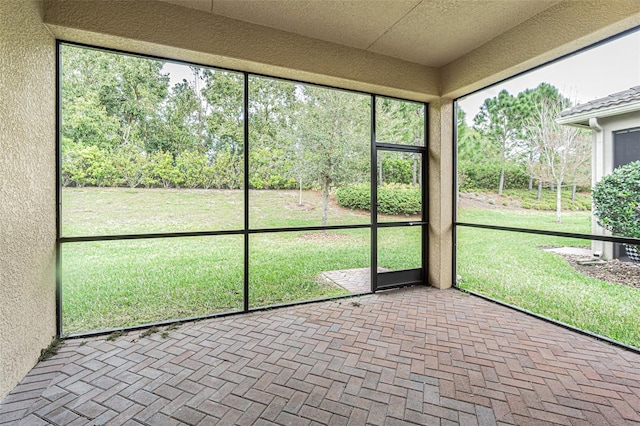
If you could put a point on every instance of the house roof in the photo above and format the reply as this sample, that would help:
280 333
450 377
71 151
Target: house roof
624 97
617 103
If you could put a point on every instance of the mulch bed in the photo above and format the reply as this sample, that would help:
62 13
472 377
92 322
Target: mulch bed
614 271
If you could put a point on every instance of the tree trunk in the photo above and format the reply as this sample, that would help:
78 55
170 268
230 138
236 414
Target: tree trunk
559 202
325 200
502 161
380 171
573 192
530 183
420 175
539 190
552 187
300 197
415 171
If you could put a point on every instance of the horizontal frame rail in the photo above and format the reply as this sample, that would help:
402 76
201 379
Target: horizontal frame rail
403 148
623 240
206 233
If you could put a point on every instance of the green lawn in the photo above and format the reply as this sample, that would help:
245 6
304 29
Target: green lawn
529 199
112 284
103 211
511 267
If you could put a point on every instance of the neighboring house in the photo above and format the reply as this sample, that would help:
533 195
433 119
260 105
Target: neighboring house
615 124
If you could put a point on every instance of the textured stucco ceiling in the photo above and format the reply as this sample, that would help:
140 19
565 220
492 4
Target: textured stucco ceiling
427 32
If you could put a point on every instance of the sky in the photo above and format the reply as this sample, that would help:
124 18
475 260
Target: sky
592 74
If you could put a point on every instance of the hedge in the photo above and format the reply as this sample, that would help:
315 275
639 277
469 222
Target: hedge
92 166
396 199
486 176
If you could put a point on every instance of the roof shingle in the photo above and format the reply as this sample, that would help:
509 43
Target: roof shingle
619 98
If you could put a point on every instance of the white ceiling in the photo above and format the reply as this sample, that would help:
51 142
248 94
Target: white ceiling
428 32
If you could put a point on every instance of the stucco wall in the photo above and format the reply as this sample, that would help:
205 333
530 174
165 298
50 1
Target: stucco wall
171 31
440 193
27 189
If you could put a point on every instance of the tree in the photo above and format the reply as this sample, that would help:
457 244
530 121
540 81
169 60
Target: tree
500 123
400 122
85 120
132 90
179 132
527 105
562 149
333 131
224 92
276 151
112 114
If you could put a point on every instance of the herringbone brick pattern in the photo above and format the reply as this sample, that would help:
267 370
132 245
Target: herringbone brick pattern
413 356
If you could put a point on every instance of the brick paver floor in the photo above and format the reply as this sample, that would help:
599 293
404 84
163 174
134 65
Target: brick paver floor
411 356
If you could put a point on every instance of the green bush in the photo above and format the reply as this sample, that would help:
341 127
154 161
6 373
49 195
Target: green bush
129 165
162 171
225 172
616 201
354 197
87 166
397 170
486 176
191 167
529 199
393 199
399 199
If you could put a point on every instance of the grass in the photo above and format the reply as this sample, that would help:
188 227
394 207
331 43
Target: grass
51 350
529 199
113 284
572 221
103 211
513 268
110 284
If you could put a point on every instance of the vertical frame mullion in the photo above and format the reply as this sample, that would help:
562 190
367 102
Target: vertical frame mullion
454 197
58 160
246 189
374 198
425 197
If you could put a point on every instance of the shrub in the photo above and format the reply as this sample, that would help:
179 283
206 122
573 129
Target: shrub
225 172
129 164
486 176
397 170
354 197
161 170
393 199
399 199
87 166
191 167
616 201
